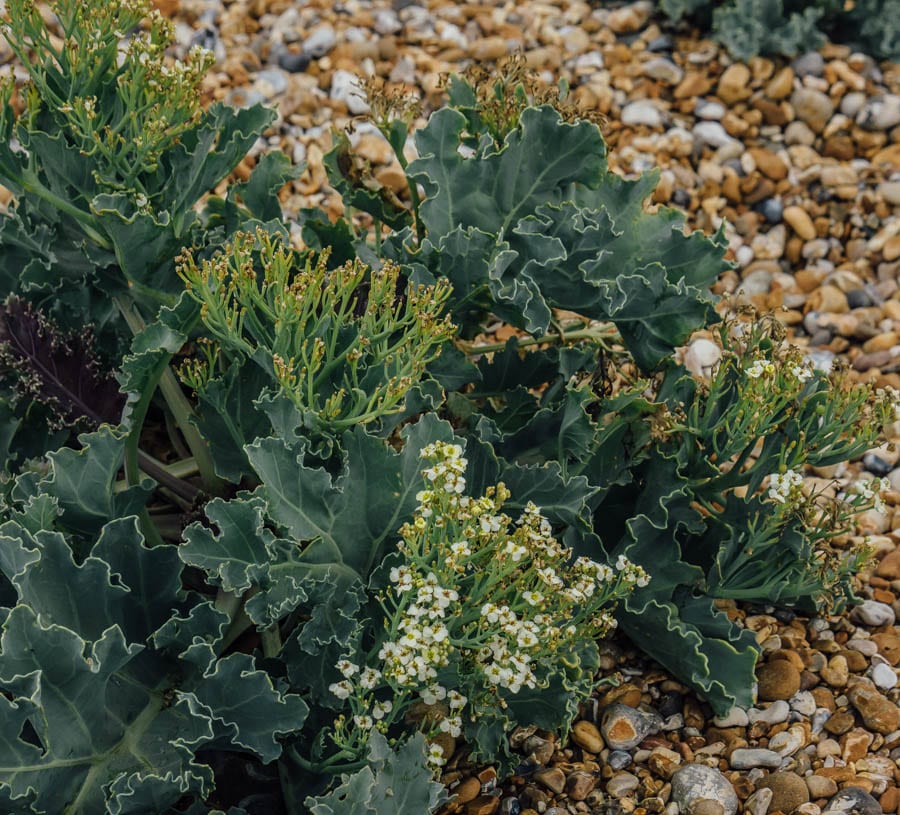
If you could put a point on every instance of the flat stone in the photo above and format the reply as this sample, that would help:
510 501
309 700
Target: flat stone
878 712
695 782
747 758
781 85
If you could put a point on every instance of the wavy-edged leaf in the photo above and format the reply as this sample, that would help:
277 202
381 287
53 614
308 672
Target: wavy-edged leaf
349 518
395 782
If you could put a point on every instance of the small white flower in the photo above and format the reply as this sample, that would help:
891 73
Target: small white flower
436 756
532 597
341 689
365 722
347 668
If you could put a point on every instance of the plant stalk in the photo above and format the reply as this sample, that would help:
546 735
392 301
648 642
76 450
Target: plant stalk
179 406
599 333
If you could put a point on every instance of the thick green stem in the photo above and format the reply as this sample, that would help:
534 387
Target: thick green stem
179 406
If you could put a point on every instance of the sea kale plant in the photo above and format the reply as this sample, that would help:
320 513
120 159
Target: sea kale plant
748 28
319 530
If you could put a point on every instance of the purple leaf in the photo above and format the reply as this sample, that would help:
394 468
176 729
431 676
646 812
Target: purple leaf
59 370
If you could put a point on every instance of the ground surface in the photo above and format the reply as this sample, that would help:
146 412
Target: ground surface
802 159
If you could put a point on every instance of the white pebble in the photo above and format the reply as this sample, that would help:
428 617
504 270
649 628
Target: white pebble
884 676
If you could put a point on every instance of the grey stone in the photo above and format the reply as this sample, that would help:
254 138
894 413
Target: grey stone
320 42
642 112
625 727
852 801
871 612
695 782
621 784
664 69
746 758
345 88
812 63
880 113
713 134
705 109
884 676
294 63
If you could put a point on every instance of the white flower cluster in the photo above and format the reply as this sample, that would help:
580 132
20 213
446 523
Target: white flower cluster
870 490
802 371
760 367
785 487
423 644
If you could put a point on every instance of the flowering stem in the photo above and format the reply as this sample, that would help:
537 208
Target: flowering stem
599 333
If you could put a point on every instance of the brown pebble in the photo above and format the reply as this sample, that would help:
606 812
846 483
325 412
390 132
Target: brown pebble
580 784
820 787
879 714
890 800
469 790
781 85
483 805
840 722
734 84
798 219
889 566
789 790
768 163
706 806
553 778
888 646
778 680
587 737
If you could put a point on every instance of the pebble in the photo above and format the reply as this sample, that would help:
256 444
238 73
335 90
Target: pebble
880 113
809 64
748 758
884 677
587 736
664 70
642 112
789 790
624 727
320 42
812 107
776 713
777 679
345 88
713 134
871 612
852 801
695 782
621 784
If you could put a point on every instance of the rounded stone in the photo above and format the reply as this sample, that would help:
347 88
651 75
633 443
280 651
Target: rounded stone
625 727
789 790
778 679
695 782
871 612
852 801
